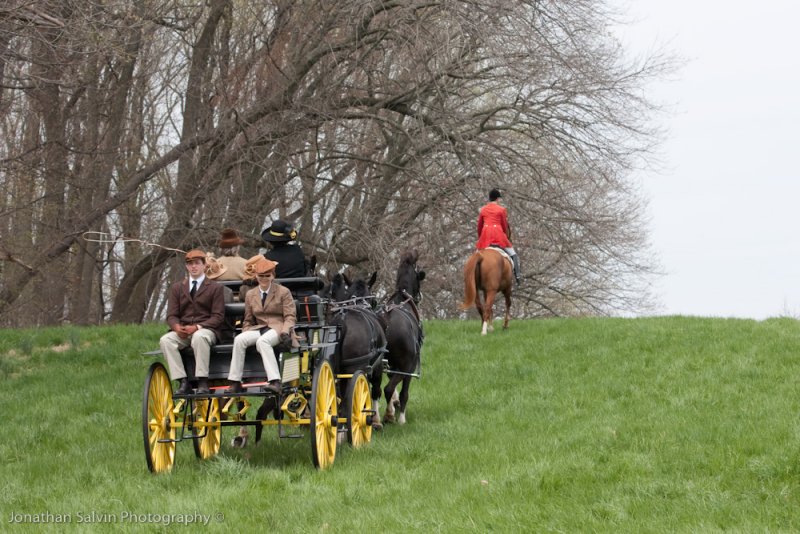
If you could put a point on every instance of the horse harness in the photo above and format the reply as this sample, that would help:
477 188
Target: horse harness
412 315
361 306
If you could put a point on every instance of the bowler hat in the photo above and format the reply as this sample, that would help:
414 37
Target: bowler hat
279 232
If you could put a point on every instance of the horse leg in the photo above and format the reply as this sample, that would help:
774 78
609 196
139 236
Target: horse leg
479 307
377 376
390 391
507 294
487 312
401 419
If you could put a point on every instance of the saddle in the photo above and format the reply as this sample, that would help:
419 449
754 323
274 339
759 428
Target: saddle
503 252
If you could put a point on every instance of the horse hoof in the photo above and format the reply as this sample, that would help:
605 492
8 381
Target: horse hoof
239 442
377 426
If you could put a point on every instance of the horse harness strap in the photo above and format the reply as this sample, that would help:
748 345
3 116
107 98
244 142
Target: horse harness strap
408 300
374 349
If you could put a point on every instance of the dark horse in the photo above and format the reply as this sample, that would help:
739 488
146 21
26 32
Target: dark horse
362 342
487 270
401 321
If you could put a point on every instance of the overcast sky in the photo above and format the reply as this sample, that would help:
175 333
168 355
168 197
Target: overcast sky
725 207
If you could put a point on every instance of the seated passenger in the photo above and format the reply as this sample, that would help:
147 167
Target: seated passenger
269 316
215 270
289 256
195 315
229 243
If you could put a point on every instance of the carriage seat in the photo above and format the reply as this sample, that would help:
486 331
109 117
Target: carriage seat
310 310
220 362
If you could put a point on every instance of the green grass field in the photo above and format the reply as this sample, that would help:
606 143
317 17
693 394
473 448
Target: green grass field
666 424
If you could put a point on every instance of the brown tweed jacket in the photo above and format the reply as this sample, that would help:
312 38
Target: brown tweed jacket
278 311
207 309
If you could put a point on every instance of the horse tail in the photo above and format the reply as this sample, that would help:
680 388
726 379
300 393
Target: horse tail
471 270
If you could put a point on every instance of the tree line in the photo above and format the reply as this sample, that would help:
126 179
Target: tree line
374 125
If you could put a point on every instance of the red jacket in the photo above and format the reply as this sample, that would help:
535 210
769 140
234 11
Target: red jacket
493 226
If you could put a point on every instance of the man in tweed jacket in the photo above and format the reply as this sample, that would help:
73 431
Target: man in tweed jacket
269 316
195 315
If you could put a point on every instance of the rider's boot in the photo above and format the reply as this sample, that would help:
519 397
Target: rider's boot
515 261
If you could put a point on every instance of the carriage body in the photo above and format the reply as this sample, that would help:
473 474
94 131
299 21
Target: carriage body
312 384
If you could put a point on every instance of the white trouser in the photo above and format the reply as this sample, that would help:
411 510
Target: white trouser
201 342
264 344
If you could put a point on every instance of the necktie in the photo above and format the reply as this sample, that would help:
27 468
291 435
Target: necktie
194 288
263 297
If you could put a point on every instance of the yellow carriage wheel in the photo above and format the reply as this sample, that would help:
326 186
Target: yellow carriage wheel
158 420
324 416
359 410
207 413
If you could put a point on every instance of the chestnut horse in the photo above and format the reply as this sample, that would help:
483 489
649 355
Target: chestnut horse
490 271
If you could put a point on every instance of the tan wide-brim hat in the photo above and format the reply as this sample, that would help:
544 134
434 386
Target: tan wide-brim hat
264 266
249 266
195 254
214 269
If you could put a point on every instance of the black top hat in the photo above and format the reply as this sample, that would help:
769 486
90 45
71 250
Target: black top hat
279 232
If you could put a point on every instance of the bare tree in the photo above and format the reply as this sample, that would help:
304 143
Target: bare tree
375 125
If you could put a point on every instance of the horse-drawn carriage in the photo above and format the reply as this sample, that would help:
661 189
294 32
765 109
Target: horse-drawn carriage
322 389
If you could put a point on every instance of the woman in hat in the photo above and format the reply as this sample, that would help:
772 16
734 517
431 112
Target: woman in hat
280 237
229 243
215 271
493 229
269 316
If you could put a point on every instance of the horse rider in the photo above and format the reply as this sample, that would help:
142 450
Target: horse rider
493 229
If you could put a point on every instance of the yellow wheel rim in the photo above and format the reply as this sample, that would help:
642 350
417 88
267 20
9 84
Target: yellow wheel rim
324 416
209 427
359 421
159 421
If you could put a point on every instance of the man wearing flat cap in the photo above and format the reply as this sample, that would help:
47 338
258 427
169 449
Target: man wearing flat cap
195 315
269 316
289 256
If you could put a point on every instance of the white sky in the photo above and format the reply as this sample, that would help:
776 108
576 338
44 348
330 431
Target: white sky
724 208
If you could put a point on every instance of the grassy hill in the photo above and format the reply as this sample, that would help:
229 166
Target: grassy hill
634 425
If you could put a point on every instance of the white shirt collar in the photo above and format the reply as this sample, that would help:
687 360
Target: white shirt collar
198 280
